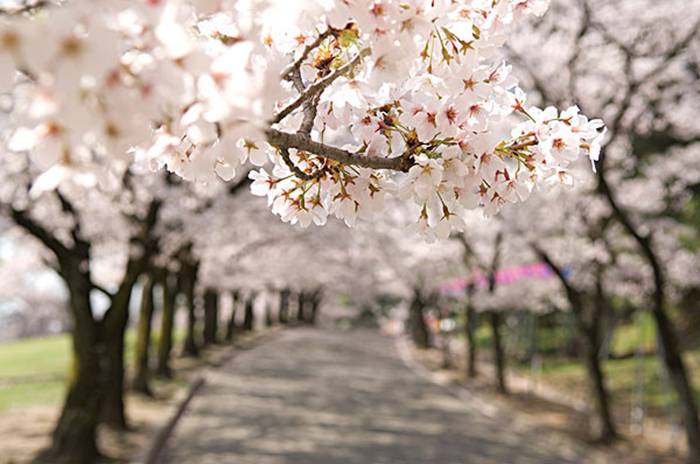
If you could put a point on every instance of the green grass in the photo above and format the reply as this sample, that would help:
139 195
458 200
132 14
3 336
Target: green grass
43 355
623 376
628 378
34 393
630 337
33 371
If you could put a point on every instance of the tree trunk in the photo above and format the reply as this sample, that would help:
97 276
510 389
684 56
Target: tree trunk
668 339
315 305
677 372
167 323
588 317
284 307
211 316
249 315
189 282
140 383
74 438
268 315
419 330
605 429
495 320
231 326
470 325
114 328
301 303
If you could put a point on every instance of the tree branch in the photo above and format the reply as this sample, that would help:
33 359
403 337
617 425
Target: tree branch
573 295
26 7
319 86
22 219
304 142
290 70
284 153
101 289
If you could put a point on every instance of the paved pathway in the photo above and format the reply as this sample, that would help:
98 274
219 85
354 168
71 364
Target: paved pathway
315 397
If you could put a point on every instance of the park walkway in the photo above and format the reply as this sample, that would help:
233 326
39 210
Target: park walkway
323 397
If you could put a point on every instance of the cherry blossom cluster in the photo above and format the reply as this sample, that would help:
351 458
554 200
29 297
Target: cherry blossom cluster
342 104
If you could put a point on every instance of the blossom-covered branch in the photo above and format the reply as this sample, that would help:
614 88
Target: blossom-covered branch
342 104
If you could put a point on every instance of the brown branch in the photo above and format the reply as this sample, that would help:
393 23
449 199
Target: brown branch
310 112
573 294
22 219
284 153
287 73
319 86
101 289
27 7
304 142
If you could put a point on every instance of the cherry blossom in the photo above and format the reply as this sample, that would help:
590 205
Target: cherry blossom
341 104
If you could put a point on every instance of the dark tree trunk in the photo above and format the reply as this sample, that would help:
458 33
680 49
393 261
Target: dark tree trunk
231 326
249 314
589 325
113 331
495 320
95 389
211 316
668 339
416 322
284 307
74 438
189 282
167 323
114 322
671 353
470 325
143 339
605 432
301 304
315 306
268 315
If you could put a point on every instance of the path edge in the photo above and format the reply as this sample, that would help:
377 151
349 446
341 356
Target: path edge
155 452
159 443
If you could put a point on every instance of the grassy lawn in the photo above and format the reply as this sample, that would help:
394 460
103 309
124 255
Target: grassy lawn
32 356
34 370
628 379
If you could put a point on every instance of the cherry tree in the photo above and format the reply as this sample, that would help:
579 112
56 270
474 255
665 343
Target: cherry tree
77 244
577 239
643 82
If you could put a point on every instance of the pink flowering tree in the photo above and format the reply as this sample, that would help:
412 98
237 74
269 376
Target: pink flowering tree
636 65
319 94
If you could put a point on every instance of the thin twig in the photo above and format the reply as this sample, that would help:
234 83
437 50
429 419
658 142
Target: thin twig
319 86
296 65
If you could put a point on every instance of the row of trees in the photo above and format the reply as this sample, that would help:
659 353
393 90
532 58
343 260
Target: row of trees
626 235
432 131
104 245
